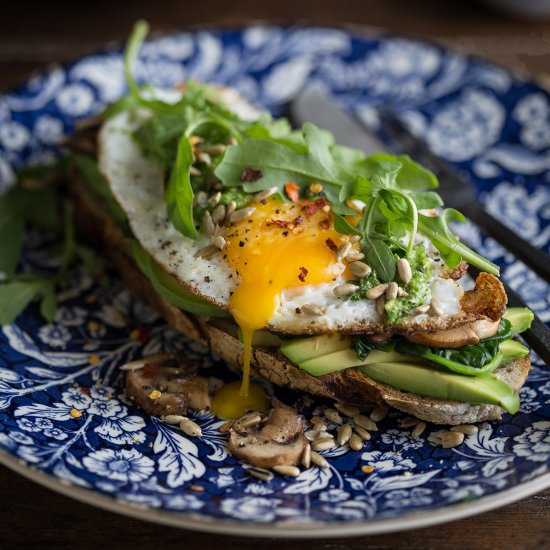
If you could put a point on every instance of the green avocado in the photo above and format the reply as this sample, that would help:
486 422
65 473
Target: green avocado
303 349
262 338
520 317
422 380
512 349
328 353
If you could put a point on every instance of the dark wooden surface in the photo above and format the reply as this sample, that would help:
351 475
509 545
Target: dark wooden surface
33 34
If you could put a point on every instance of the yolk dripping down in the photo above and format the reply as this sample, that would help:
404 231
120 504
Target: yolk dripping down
280 246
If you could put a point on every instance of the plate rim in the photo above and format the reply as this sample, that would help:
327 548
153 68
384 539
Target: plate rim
282 530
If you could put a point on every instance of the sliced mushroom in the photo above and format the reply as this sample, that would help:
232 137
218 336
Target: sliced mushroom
278 440
164 383
464 335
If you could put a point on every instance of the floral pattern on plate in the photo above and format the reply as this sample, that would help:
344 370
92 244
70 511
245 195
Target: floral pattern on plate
62 410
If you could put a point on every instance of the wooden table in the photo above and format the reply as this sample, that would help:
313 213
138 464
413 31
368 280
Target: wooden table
33 34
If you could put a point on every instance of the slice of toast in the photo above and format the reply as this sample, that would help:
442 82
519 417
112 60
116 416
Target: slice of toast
348 386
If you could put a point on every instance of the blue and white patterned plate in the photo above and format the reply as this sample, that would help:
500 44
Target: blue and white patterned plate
63 419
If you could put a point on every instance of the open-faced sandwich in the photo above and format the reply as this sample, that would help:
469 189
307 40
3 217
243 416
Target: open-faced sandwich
295 259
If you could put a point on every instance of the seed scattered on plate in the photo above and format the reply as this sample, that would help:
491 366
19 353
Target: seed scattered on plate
285 470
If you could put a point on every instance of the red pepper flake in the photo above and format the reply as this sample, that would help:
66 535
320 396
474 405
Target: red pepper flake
325 224
292 191
312 207
303 274
251 174
332 245
298 220
150 371
85 391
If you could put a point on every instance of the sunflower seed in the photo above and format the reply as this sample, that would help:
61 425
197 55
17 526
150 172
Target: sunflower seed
201 199
312 309
404 270
265 194
194 171
333 416
318 460
379 413
174 419
242 214
354 256
285 470
391 291
343 434
376 291
320 427
466 429
355 238
215 199
246 422
419 429
401 292
360 269
355 442
436 307
190 428
344 290
205 158
133 365
209 225
261 473
347 410
231 140
323 444
219 242
229 209
343 251
421 309
215 150
365 422
206 252
311 435
408 422
450 439
306 457
218 214
362 433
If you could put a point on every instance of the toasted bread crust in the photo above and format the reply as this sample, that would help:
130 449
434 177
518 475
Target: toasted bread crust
348 386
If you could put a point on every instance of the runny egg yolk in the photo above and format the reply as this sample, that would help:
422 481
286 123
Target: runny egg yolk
282 245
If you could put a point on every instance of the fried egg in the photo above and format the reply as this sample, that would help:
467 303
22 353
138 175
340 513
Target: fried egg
271 266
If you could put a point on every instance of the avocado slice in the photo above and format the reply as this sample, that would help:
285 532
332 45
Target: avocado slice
520 317
262 338
303 349
346 358
430 382
512 349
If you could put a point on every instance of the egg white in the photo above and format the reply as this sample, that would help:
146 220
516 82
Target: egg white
137 184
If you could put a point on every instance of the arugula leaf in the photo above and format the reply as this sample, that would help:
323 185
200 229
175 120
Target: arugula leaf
378 253
179 193
12 225
280 164
411 175
426 200
450 248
